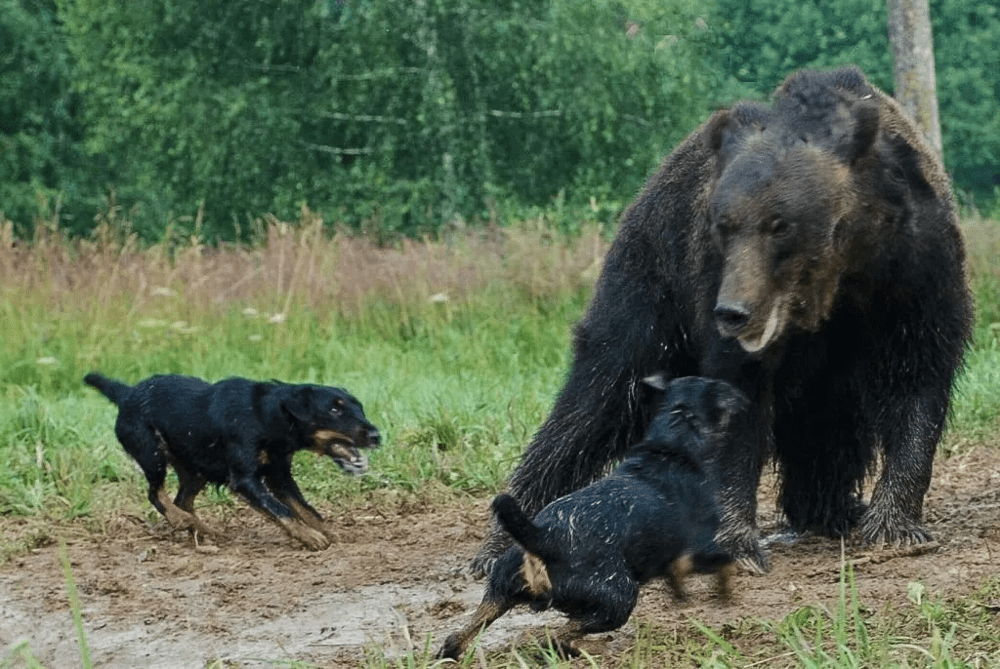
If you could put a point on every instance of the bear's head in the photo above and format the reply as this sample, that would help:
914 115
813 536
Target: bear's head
781 205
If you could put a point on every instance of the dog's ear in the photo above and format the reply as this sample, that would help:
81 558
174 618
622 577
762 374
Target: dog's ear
298 404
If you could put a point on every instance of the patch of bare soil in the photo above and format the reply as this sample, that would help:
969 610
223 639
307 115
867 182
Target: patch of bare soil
253 598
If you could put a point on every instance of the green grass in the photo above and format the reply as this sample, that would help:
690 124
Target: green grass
456 397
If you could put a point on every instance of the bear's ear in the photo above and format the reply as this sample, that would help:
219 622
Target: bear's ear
722 137
715 128
865 121
726 131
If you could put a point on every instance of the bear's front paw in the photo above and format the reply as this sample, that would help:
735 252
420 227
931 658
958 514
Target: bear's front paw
754 562
885 530
747 552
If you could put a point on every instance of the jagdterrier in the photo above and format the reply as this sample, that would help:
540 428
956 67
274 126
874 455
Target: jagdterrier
587 553
241 434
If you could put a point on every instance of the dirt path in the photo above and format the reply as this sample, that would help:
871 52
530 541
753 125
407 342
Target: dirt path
153 599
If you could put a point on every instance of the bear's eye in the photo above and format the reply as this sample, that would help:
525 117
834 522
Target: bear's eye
725 226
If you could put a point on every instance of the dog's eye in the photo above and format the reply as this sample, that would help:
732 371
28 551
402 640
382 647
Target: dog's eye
337 408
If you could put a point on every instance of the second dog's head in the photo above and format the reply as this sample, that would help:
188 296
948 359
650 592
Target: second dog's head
694 403
334 423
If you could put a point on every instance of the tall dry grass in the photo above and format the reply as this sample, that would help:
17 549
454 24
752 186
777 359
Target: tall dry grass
302 263
299 263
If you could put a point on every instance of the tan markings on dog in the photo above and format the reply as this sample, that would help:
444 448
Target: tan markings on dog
722 582
177 517
535 575
679 570
180 519
564 639
321 438
312 539
263 458
305 515
485 614
330 435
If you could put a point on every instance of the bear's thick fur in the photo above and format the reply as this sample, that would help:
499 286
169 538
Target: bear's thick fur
808 252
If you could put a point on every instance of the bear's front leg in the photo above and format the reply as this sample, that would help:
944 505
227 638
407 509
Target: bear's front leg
741 467
910 434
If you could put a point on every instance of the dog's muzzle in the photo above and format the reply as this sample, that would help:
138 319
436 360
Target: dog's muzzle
344 450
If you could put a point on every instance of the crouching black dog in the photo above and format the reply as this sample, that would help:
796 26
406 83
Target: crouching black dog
587 553
241 434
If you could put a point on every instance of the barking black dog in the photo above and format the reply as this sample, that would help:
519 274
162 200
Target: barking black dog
587 553
237 433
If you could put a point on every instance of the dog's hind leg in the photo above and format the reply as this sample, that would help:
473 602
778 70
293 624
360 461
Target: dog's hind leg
191 484
148 448
606 609
677 572
178 518
457 643
715 561
723 587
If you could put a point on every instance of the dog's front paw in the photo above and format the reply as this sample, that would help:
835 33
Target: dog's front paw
316 541
312 539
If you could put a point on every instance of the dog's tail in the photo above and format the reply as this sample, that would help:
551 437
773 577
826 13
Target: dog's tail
110 388
512 518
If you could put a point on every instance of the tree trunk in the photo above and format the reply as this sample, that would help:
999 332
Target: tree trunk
913 71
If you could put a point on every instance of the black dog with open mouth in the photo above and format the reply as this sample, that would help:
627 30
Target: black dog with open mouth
241 434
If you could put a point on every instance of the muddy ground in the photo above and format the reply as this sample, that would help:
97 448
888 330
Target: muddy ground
153 598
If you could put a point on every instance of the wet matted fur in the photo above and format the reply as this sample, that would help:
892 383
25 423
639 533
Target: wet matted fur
587 553
808 252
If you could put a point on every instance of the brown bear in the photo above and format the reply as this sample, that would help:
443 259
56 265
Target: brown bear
808 252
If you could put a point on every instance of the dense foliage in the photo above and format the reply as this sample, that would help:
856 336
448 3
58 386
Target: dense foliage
41 155
403 117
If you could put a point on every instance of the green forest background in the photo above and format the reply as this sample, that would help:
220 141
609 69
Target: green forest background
196 117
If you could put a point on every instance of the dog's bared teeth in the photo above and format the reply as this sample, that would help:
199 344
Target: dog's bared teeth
348 458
